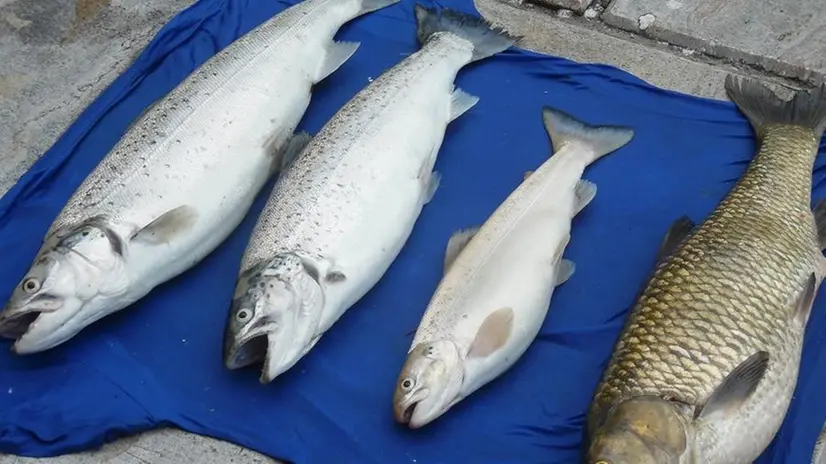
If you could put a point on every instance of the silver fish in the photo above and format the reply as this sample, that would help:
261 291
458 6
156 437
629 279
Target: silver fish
499 278
342 212
182 177
819 453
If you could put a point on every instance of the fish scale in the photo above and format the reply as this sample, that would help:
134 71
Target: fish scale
729 290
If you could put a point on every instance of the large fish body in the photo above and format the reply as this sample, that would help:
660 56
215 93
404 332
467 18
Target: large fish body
705 368
341 213
499 278
182 177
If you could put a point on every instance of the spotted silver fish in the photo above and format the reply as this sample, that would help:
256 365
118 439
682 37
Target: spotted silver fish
182 177
340 214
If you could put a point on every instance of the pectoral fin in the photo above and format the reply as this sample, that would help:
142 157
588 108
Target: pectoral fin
679 230
457 243
736 387
167 226
493 333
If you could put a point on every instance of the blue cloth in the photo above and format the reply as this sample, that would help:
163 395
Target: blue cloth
159 362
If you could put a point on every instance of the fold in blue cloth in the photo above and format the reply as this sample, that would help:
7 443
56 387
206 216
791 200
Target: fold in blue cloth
159 362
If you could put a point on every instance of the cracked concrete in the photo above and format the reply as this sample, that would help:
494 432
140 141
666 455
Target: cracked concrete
782 36
59 54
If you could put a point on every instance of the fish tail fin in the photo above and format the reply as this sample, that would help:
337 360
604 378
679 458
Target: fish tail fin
762 106
487 40
369 6
565 129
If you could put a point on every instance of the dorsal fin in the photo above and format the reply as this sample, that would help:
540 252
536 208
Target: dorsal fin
679 230
585 191
457 243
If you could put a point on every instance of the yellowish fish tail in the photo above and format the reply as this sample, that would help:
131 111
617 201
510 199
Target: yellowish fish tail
598 141
762 107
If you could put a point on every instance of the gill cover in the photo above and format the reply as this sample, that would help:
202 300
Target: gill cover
274 316
74 266
643 430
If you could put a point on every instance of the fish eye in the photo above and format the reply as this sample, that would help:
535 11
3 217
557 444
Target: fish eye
31 285
243 315
407 384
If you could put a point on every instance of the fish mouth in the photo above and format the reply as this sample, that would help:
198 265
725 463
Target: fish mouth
13 326
248 351
404 415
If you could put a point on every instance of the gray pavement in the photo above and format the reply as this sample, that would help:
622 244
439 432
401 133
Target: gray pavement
59 54
784 37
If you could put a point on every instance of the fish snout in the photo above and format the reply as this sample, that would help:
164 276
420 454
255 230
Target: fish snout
415 408
621 447
16 319
250 351
36 328
403 413
15 322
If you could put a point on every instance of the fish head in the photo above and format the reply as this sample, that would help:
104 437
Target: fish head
274 316
67 288
642 430
429 383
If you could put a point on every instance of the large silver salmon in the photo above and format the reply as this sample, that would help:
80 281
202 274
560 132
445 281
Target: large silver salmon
340 214
182 177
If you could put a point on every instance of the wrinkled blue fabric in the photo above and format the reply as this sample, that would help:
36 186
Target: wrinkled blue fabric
158 362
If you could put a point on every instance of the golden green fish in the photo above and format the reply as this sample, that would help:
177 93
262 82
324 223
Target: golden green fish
705 368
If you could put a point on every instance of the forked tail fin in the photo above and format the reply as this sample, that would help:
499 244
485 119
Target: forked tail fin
763 107
565 129
487 40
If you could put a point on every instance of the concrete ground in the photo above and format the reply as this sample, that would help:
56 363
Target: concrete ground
58 55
